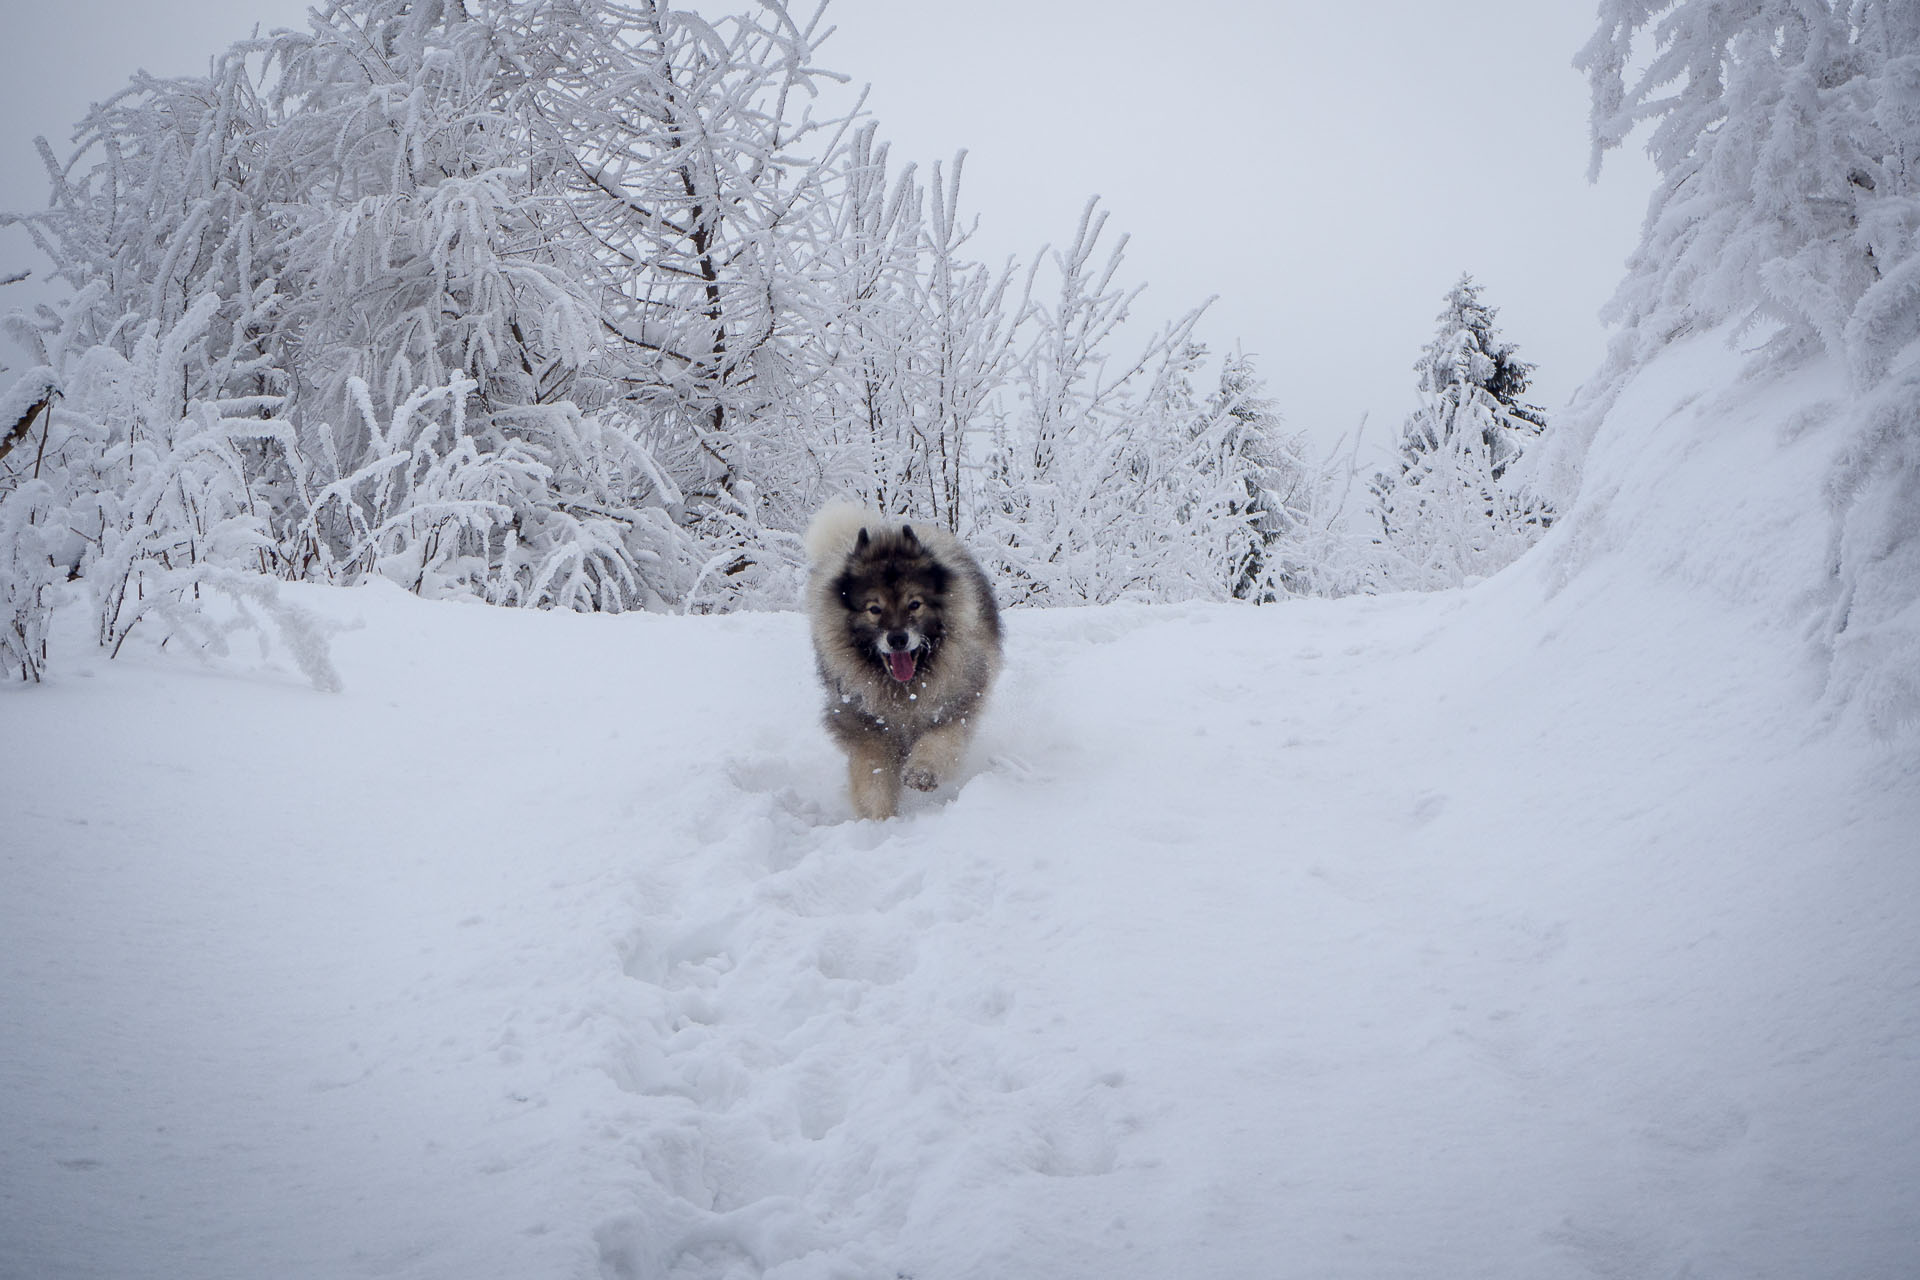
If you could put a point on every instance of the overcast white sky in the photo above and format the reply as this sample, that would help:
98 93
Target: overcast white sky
1325 169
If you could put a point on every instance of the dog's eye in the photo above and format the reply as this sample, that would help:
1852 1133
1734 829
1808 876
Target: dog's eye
913 606
873 610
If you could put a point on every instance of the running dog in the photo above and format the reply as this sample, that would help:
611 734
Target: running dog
907 637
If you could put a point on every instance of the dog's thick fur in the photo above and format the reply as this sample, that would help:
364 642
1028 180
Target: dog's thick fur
907 637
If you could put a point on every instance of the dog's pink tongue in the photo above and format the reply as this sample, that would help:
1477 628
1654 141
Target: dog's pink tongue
900 664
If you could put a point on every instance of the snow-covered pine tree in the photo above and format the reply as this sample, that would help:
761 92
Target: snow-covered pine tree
1269 559
1452 513
1783 132
1470 375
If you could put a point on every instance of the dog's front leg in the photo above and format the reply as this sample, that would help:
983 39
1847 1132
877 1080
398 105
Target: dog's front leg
936 755
873 778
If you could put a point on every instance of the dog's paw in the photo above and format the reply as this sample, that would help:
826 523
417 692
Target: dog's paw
919 778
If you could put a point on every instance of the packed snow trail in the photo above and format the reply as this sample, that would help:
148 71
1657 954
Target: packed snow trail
1555 928
1285 942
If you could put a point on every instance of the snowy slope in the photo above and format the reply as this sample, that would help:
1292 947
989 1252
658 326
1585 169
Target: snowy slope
1557 928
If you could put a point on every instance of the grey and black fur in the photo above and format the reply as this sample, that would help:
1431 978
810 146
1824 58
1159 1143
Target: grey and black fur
907 637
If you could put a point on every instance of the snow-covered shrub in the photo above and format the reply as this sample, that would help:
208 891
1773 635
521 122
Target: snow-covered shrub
31 534
1446 519
1336 546
142 492
32 526
169 516
1108 481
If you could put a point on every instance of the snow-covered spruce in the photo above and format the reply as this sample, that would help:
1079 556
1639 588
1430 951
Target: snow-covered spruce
1456 509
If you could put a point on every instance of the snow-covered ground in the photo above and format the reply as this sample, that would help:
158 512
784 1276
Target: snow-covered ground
1556 928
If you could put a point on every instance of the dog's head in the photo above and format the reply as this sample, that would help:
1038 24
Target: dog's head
895 594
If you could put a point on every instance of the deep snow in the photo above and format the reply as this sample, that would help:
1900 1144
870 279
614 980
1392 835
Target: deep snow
1556 928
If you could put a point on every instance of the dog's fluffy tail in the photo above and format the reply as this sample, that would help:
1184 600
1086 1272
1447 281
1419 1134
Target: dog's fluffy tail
832 532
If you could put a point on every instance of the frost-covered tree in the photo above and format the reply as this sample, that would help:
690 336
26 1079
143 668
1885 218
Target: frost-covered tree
919 341
1784 136
1271 556
360 201
692 161
1084 491
585 235
1452 512
581 305
1472 380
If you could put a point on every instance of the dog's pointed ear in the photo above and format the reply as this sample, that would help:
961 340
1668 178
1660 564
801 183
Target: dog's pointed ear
860 543
906 536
